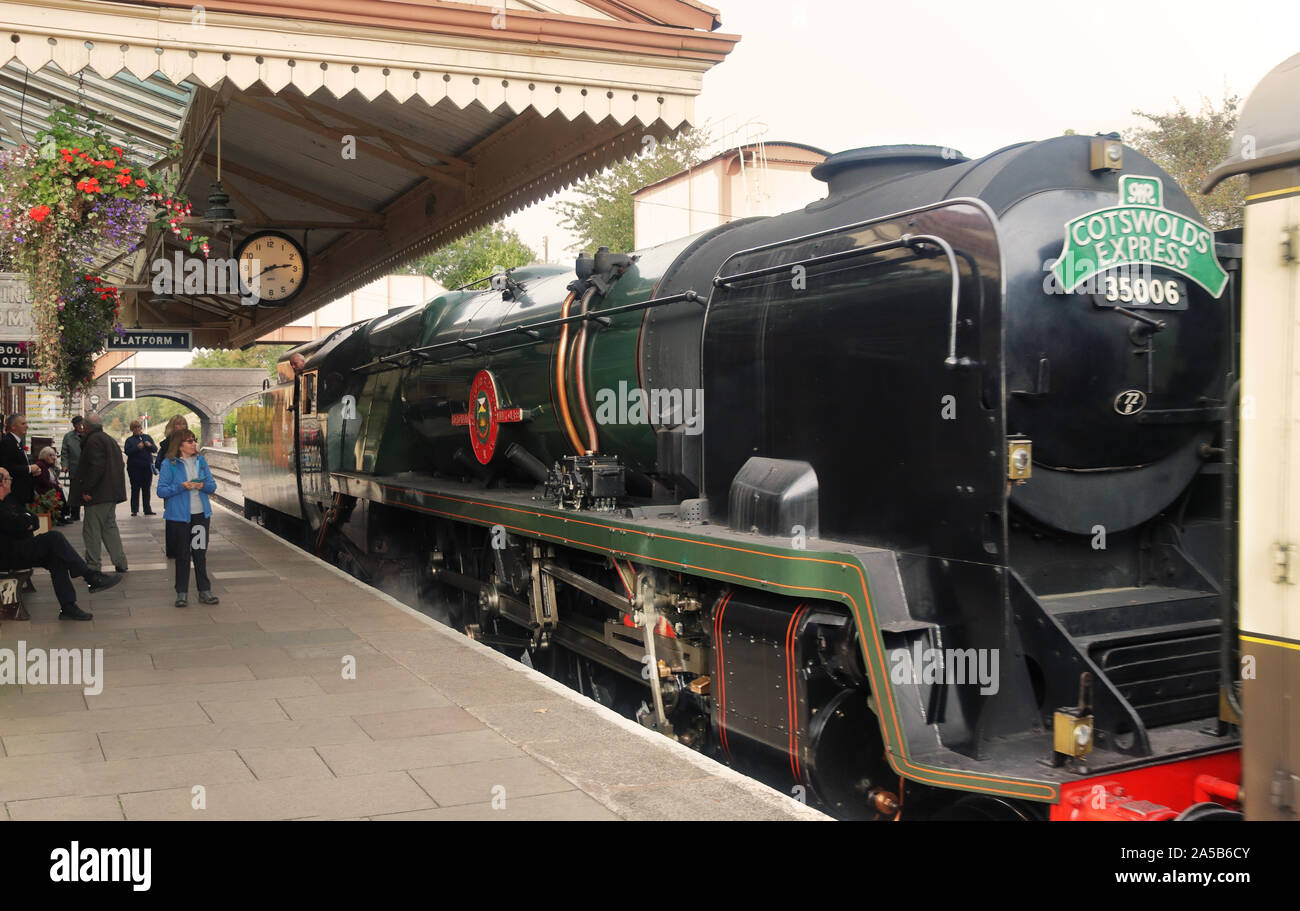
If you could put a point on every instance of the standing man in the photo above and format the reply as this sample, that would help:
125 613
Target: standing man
69 456
14 459
101 482
140 449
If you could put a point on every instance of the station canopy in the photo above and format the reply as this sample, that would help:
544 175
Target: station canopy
458 114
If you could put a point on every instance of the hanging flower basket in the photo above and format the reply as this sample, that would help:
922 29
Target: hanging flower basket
62 203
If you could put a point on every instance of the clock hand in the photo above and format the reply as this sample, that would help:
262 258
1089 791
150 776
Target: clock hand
269 268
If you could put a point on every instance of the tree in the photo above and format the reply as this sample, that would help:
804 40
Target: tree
1189 146
264 356
477 255
602 215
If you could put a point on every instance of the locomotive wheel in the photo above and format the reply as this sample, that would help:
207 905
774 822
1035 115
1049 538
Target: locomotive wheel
983 808
846 755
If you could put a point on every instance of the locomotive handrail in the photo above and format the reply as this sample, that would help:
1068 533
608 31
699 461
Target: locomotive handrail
910 241
530 329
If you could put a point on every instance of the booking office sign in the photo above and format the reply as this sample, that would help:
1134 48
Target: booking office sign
1139 231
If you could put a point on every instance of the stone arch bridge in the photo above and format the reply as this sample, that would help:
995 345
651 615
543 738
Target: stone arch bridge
208 391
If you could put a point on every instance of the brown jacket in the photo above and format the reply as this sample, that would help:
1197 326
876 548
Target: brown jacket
101 471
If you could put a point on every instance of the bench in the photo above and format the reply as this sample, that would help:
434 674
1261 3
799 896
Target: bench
13 582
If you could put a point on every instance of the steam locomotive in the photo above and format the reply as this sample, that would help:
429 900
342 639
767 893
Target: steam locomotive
914 502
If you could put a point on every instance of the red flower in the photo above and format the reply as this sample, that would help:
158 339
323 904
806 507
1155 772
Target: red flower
117 150
123 180
39 213
140 183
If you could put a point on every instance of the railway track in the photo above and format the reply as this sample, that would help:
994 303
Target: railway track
224 464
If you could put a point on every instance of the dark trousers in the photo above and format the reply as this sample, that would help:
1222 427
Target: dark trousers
74 503
141 481
182 538
52 551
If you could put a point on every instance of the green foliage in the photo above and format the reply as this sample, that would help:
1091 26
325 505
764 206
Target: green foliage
1189 146
264 356
602 214
230 427
45 503
117 423
480 254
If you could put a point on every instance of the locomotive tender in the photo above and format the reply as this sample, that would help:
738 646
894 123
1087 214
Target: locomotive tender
916 500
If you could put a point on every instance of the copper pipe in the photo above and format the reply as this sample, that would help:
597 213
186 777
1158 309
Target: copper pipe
580 377
561 380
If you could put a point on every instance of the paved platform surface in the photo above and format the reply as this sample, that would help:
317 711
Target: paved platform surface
244 706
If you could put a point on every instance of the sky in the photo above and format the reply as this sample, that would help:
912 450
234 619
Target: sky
840 74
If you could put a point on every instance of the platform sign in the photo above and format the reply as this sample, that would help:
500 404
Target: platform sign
14 359
152 340
15 308
22 378
121 388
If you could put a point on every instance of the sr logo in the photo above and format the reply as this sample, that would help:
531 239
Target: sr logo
1130 401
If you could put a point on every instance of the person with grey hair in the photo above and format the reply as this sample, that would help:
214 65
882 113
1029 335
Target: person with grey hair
48 480
101 483
69 457
14 459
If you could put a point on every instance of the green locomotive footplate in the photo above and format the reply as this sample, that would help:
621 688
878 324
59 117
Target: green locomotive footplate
863 579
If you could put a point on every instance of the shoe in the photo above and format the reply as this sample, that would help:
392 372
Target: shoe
74 613
100 582
120 569
208 598
22 614
151 514
182 600
133 515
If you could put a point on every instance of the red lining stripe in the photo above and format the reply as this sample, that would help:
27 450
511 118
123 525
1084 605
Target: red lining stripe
792 703
722 679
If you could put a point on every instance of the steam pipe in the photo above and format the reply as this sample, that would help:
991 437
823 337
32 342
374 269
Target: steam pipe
526 462
580 376
561 380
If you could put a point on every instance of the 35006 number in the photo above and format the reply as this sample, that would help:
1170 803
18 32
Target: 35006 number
1127 290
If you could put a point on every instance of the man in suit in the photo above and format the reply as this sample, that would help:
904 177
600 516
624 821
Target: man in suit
14 460
101 484
19 549
70 457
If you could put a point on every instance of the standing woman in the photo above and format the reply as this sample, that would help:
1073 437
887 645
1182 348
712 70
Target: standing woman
176 425
184 483
140 449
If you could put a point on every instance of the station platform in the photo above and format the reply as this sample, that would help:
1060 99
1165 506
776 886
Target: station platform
243 711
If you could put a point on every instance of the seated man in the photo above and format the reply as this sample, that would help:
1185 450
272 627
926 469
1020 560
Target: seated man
19 549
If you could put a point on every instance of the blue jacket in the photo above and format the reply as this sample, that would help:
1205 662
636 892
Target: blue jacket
177 498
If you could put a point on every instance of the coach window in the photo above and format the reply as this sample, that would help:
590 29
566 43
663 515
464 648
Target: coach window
309 393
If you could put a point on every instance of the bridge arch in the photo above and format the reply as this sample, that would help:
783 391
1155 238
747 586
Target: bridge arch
208 391
209 424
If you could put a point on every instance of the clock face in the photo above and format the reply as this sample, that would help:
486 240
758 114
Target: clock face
272 266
